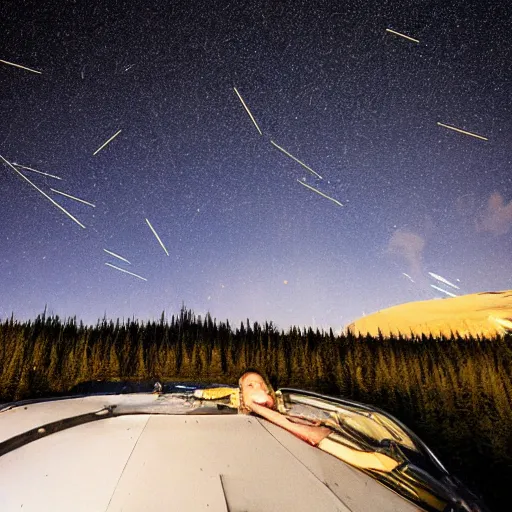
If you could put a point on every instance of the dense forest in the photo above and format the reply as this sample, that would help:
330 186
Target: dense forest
455 393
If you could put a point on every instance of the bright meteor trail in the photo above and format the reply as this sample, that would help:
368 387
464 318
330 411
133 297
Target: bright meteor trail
318 192
296 159
73 197
462 131
443 280
35 170
21 67
157 237
105 143
444 291
248 111
44 194
116 256
402 35
125 271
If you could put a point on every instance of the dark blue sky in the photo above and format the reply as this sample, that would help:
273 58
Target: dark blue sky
326 82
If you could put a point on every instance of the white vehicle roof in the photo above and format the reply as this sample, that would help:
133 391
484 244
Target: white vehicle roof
182 462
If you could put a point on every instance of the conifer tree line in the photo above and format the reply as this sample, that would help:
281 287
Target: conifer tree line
456 393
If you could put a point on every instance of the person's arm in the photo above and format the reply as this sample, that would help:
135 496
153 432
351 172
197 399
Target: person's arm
311 434
214 393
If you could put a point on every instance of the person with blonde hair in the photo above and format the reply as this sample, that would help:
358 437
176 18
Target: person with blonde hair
343 434
255 395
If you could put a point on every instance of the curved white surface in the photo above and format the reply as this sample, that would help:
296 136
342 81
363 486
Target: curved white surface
183 462
25 417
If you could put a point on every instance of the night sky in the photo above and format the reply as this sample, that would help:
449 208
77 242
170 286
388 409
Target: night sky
325 81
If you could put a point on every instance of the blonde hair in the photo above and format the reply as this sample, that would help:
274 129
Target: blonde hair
242 408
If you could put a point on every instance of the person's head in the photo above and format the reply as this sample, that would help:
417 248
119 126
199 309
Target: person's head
255 387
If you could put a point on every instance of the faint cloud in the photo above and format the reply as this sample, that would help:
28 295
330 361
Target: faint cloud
497 218
409 246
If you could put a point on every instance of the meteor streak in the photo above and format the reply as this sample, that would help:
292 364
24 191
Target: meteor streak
125 271
157 237
116 256
444 291
73 197
45 195
105 143
248 111
462 131
296 159
408 276
21 67
443 280
321 193
402 35
34 170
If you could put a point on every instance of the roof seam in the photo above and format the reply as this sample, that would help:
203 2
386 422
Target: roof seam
126 463
304 465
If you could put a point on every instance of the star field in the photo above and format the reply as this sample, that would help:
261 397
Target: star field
357 104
